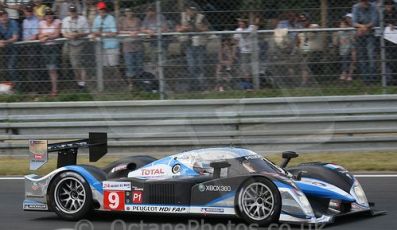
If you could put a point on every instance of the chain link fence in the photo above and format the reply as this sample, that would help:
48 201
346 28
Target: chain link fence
176 49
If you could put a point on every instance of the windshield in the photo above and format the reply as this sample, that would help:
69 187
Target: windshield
242 161
259 165
244 165
240 166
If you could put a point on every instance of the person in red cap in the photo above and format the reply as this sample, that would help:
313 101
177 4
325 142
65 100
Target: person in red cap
105 27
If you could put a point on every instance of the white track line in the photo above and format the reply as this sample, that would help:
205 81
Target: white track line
11 178
358 176
376 176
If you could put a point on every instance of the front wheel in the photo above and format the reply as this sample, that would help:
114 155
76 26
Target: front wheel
259 202
70 196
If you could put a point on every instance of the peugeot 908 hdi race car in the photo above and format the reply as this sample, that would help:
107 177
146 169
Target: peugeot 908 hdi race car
213 181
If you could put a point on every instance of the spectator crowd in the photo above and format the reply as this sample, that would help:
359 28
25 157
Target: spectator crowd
82 21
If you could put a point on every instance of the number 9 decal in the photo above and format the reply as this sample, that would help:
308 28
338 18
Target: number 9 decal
114 200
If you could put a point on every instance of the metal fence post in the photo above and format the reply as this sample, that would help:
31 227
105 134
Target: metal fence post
160 51
99 65
255 59
382 46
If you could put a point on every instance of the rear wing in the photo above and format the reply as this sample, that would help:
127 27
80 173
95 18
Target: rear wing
67 151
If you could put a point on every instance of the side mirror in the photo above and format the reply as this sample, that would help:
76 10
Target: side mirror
218 165
287 156
290 155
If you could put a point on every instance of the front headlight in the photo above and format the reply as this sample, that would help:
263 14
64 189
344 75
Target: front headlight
295 204
304 202
358 193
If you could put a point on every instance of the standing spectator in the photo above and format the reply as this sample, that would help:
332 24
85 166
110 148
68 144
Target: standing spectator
49 30
211 14
245 48
105 27
39 9
61 7
30 24
132 45
75 27
226 58
89 11
195 45
12 7
149 26
349 20
390 19
345 41
308 44
287 21
283 50
31 51
8 35
365 17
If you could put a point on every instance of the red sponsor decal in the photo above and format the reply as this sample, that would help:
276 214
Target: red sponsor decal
137 197
114 200
152 172
38 156
35 187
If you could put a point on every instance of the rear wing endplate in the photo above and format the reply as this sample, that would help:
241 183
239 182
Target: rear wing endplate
67 151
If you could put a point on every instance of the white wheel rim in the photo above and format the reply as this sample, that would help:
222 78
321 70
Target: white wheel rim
70 195
257 201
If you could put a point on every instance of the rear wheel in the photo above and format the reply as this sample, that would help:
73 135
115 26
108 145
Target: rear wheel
259 202
70 196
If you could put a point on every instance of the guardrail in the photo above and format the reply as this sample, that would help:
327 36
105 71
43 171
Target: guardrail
320 124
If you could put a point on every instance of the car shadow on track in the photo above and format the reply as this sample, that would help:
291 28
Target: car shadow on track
193 222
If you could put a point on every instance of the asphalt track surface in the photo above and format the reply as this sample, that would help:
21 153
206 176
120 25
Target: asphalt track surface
382 191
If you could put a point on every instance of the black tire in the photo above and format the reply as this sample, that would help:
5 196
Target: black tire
248 199
73 188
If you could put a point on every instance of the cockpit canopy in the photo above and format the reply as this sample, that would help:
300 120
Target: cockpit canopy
197 162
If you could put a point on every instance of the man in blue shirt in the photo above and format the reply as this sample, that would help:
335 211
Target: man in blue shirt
105 26
8 35
31 62
365 17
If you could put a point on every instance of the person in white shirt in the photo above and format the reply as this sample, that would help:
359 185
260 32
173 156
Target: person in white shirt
13 7
75 27
195 45
246 48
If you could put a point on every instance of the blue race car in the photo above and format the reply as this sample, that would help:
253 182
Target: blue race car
213 181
